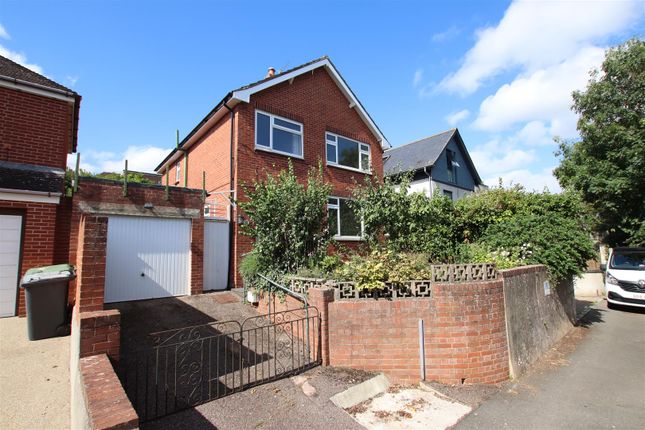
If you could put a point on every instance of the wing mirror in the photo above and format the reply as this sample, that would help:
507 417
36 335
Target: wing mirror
603 267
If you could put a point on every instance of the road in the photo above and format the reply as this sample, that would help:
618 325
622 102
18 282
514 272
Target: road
600 385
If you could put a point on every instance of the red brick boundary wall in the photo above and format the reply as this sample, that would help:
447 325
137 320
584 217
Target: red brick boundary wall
100 333
465 334
106 404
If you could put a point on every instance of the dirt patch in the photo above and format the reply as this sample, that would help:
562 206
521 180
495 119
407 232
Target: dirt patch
359 408
345 375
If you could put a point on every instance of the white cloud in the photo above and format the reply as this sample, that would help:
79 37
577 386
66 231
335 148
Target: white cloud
499 156
3 33
544 95
21 59
446 35
530 180
418 77
140 158
71 80
536 34
454 118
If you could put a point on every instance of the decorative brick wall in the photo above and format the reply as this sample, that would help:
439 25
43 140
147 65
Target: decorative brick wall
38 237
465 334
105 403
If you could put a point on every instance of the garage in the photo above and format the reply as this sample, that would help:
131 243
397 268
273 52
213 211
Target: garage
147 258
11 233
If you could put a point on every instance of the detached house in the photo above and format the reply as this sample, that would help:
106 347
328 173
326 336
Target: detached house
438 164
308 115
38 128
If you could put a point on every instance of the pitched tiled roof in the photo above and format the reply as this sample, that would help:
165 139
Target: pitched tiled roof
14 70
19 176
416 155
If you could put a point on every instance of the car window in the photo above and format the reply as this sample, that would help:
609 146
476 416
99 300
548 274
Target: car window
628 260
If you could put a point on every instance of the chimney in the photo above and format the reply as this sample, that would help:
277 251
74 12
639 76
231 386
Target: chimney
270 73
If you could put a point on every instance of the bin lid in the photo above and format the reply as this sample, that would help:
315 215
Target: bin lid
48 273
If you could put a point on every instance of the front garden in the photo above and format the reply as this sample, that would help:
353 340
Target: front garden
406 235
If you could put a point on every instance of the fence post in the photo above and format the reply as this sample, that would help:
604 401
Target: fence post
125 179
320 297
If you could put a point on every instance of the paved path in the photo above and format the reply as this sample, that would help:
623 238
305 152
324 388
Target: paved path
34 379
601 385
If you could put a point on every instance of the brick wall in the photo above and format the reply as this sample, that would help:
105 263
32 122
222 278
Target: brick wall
100 333
34 129
38 237
465 334
104 402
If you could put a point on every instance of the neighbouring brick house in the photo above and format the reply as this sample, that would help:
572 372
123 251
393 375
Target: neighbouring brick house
308 115
38 128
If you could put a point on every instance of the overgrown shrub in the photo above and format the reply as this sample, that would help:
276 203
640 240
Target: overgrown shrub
555 240
287 220
503 258
408 222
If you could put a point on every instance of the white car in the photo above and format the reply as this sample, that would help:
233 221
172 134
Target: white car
625 277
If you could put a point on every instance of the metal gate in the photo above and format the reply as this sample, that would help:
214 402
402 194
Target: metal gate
185 367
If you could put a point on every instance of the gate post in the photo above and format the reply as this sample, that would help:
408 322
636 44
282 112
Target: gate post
320 297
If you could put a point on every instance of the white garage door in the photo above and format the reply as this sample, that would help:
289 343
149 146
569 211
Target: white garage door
10 234
147 258
216 246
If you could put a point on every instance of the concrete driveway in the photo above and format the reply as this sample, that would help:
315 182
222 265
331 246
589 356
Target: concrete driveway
34 379
599 385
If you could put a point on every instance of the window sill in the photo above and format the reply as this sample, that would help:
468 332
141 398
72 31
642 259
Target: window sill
351 169
349 238
284 154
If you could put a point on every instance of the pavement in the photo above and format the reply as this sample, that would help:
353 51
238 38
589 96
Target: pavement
594 379
34 379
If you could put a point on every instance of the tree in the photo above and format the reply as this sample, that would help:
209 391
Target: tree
607 166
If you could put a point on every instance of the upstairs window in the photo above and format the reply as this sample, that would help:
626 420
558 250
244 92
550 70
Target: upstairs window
276 134
451 166
344 222
178 171
347 153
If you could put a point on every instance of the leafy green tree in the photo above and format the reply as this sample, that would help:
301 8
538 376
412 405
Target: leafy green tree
288 220
607 166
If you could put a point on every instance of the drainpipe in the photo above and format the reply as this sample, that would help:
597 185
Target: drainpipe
425 169
231 230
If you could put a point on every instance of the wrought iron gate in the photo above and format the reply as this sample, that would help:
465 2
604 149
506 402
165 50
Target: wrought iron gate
192 365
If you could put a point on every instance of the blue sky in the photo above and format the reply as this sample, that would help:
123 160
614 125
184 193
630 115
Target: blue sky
500 71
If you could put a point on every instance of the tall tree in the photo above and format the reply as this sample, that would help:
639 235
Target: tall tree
607 166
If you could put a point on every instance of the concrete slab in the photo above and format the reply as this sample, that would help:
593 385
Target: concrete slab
410 409
361 392
34 379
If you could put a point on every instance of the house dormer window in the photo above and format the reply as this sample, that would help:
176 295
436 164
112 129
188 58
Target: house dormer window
451 165
276 134
347 153
178 171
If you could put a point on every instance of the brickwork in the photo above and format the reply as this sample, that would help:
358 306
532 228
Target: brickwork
39 224
100 333
465 334
90 262
34 129
106 403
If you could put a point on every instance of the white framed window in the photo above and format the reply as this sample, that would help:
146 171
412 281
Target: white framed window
178 171
276 134
344 222
347 153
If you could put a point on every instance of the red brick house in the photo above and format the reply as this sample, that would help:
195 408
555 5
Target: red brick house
307 115
38 128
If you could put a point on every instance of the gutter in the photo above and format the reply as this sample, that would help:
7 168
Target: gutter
425 170
32 192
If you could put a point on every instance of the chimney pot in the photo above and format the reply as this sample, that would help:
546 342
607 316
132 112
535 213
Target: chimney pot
271 72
